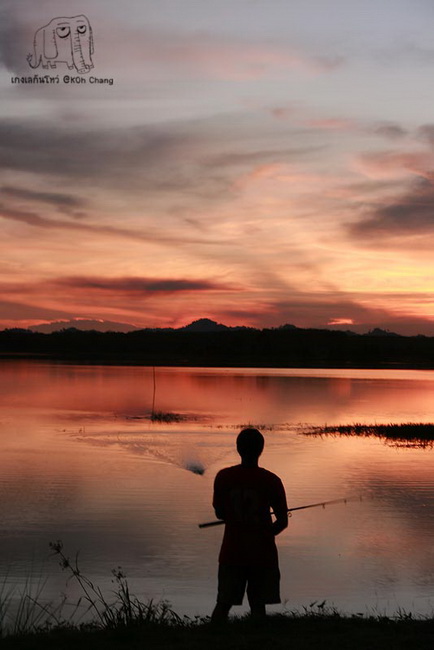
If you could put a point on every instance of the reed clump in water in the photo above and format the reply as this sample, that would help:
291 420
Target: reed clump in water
165 416
418 433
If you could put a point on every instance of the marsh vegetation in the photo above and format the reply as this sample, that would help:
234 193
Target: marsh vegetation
414 433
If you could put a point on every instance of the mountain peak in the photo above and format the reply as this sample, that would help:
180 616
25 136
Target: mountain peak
377 331
204 325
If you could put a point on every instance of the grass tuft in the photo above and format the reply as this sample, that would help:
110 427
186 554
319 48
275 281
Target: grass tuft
418 434
126 609
165 416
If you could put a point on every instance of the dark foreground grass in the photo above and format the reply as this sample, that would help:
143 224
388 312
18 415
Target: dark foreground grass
415 433
125 622
289 632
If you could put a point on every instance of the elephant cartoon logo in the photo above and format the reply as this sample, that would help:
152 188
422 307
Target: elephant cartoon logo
64 40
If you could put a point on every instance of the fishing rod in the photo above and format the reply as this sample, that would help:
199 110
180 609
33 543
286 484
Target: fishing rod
323 504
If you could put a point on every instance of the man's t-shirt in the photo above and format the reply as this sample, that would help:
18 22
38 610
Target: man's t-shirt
243 497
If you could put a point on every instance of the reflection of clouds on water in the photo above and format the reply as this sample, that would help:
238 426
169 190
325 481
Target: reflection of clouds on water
36 508
399 519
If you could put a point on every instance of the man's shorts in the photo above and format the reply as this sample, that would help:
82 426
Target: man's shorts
262 584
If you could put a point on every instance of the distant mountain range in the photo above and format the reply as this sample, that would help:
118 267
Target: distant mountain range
84 325
200 325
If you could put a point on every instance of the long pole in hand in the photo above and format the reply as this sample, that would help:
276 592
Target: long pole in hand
218 522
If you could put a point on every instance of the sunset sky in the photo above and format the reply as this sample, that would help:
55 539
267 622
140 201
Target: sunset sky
257 162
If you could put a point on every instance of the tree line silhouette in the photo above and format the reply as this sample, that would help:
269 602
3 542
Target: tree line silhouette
281 347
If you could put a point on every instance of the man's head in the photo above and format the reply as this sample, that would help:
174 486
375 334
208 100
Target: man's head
250 443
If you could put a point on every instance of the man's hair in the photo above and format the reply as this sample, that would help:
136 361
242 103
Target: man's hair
250 443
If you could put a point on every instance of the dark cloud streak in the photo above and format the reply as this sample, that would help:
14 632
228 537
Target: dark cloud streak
174 161
81 154
410 214
151 162
140 286
390 130
150 235
65 202
249 158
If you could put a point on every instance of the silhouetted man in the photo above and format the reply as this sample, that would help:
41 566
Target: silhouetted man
244 496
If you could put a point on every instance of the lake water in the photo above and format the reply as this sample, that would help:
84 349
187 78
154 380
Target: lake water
82 462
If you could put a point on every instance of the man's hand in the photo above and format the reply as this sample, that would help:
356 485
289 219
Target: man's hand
219 513
281 522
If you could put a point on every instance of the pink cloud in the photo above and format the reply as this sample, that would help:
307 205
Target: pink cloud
205 54
273 181
390 164
332 124
283 112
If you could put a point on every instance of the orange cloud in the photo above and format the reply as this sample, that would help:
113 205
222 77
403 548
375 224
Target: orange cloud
340 321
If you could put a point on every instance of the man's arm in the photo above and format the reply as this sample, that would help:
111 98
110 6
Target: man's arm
280 508
217 500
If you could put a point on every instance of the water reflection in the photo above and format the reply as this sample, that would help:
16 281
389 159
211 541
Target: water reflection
260 395
81 461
